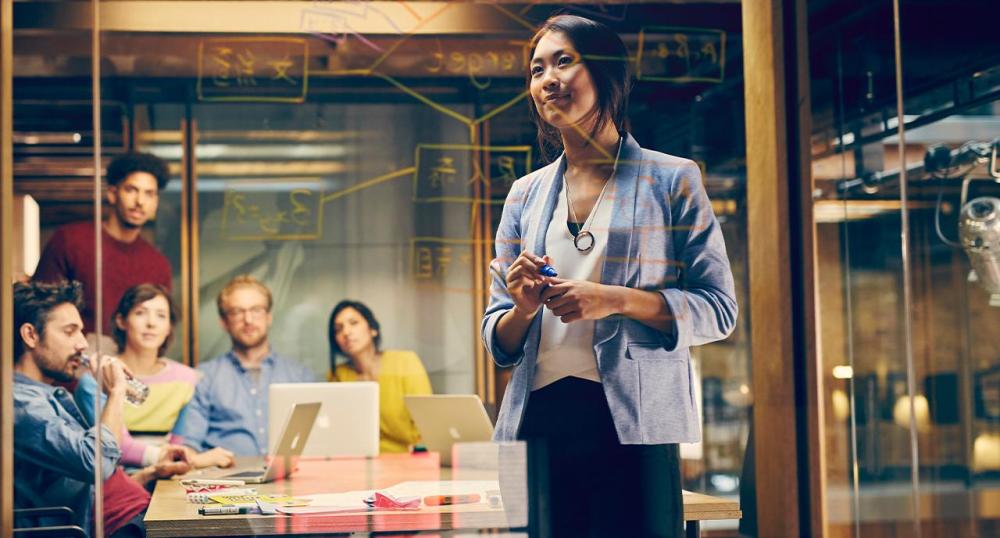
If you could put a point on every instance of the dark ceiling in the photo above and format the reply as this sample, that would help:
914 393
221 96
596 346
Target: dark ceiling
950 61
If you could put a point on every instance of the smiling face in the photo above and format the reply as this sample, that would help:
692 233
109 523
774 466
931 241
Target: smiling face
352 332
561 87
147 325
56 351
135 199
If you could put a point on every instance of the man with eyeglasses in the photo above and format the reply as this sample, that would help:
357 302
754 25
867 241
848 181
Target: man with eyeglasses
230 403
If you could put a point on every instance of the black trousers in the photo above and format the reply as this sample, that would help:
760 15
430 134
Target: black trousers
583 482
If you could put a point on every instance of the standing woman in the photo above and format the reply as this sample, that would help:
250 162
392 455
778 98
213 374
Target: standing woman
602 387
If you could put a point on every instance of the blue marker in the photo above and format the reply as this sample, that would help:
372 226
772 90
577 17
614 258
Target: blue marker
545 270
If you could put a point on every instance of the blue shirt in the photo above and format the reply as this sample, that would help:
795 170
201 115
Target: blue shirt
54 450
229 408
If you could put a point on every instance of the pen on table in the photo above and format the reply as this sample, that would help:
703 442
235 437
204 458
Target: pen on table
211 482
223 510
441 500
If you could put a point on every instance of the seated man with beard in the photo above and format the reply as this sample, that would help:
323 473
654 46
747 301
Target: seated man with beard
54 444
230 404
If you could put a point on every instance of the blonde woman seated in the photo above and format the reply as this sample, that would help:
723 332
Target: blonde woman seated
353 332
143 328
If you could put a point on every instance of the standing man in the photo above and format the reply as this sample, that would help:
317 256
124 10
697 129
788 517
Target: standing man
230 404
54 445
134 184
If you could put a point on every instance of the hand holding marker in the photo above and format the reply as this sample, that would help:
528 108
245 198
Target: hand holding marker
545 270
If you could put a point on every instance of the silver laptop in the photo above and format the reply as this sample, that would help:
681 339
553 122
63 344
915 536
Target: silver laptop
446 419
348 423
283 460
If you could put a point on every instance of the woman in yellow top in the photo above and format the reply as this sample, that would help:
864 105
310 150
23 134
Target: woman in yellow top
354 333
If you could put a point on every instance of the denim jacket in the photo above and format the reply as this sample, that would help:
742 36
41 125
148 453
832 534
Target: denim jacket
664 238
54 450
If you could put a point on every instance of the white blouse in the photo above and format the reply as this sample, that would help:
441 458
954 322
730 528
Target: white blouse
567 349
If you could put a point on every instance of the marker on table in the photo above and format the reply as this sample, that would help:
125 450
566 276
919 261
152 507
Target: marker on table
441 500
223 510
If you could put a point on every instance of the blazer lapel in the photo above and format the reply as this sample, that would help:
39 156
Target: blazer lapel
551 198
623 245
538 224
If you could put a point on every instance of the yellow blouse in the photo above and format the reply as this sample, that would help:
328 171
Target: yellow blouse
400 373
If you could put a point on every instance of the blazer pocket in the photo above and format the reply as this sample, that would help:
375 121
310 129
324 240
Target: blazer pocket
666 402
651 351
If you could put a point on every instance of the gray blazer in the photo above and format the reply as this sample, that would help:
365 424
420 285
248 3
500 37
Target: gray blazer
664 237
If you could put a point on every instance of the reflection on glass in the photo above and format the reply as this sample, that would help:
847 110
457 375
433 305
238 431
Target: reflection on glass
890 447
357 152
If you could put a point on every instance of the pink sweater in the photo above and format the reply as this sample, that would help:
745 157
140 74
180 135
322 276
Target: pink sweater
169 392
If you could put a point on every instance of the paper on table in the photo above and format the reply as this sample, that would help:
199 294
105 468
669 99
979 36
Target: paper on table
424 488
326 503
354 501
250 501
301 510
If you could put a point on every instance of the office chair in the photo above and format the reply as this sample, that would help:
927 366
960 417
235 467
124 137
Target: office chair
61 514
42 520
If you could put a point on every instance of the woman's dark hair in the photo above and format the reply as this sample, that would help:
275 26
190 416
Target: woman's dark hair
133 297
604 55
332 333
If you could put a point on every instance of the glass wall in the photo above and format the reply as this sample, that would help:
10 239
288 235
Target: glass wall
907 293
343 150
377 169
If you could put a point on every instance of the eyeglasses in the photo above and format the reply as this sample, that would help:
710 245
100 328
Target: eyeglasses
238 313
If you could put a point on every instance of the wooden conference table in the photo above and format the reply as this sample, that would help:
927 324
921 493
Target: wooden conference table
170 514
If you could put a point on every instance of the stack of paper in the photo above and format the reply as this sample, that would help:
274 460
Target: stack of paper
354 501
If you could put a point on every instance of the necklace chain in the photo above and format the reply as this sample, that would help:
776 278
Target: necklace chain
584 232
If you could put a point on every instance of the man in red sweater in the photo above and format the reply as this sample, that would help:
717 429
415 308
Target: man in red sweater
134 184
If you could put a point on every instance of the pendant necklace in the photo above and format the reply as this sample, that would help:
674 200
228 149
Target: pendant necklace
584 240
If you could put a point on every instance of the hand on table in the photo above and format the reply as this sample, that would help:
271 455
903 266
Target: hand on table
216 457
173 460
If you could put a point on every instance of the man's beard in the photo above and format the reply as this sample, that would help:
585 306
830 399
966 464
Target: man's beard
240 343
58 374
123 219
